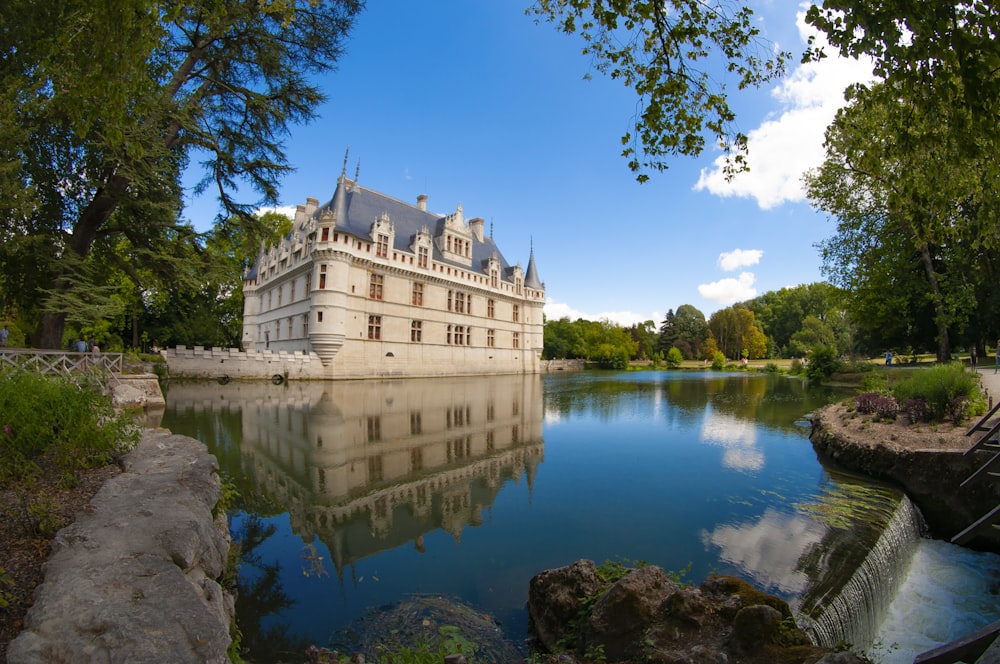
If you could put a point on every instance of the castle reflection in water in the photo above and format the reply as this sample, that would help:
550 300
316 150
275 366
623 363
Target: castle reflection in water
371 465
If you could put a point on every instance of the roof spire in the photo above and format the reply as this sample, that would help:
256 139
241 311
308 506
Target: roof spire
357 171
531 279
343 169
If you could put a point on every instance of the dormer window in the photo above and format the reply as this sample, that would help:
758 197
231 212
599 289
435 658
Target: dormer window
382 245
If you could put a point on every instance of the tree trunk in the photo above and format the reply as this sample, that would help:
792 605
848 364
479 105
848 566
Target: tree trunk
940 315
50 330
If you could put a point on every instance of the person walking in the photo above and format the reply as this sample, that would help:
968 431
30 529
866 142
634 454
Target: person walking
972 358
3 336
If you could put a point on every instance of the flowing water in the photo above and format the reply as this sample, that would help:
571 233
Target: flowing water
354 494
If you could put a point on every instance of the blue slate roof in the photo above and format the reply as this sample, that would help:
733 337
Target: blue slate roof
362 206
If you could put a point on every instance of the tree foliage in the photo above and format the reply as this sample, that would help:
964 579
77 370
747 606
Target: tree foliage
111 101
911 173
660 50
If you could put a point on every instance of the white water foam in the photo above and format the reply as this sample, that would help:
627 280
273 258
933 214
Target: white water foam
949 592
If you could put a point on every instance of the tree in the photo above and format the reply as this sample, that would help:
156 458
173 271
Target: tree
644 336
813 334
659 49
931 164
905 202
674 358
117 97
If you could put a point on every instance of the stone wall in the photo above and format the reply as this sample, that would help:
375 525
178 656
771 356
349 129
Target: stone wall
136 577
199 362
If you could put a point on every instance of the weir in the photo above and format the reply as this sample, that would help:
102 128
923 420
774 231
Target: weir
853 615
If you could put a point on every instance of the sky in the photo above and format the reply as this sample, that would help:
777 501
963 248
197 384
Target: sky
473 103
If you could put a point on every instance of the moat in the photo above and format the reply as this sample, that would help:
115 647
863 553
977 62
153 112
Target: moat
358 493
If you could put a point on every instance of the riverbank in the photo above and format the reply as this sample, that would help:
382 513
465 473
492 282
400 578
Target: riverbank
138 571
927 461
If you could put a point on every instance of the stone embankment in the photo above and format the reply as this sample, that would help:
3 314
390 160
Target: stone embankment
928 463
137 577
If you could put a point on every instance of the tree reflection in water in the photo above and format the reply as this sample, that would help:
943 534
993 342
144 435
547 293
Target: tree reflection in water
261 595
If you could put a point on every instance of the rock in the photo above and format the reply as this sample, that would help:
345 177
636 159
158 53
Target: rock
622 612
647 617
554 601
754 627
135 577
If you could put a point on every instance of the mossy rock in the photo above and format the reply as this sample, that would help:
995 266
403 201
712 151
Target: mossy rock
431 623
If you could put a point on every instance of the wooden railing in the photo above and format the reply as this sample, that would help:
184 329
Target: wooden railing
58 362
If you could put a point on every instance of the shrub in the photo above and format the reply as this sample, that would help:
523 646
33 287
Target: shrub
916 410
865 403
718 360
823 362
875 403
958 409
771 367
674 358
796 367
65 419
886 407
939 385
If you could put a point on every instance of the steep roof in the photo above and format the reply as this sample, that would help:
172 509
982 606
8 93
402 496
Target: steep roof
531 279
357 207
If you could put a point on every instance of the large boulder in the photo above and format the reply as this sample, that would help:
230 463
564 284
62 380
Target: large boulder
555 602
623 611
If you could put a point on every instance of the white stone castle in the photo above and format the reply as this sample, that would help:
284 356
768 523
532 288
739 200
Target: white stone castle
373 286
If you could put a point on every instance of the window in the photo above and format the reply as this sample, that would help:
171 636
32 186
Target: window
422 257
322 277
289 326
517 340
319 316
416 331
494 279
516 314
490 338
490 308
375 282
382 245
449 335
458 335
325 235
417 299
375 327
451 294
305 325
416 459
468 304
416 423
280 291
374 428
460 303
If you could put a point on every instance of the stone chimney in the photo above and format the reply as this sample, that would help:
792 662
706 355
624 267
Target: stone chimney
476 226
422 202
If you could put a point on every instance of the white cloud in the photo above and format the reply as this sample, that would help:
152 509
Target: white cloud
737 258
729 290
556 310
781 149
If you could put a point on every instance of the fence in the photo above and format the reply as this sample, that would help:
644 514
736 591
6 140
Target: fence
58 362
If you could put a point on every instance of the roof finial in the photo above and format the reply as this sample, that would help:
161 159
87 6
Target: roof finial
357 171
343 170
491 228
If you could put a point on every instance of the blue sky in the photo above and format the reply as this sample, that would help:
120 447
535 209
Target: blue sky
473 103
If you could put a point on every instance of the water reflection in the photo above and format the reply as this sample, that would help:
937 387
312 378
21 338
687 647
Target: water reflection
365 491
366 466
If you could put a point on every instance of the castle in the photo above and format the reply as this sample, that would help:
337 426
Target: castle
373 286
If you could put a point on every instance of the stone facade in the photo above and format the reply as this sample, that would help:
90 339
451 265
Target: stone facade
373 286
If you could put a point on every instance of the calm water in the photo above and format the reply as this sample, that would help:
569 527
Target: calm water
354 494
